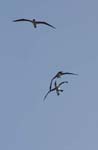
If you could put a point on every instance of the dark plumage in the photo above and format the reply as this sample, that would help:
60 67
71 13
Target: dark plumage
34 22
56 88
58 75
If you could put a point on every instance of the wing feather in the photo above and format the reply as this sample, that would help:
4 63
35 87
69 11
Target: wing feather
62 83
46 95
51 82
17 20
69 73
43 22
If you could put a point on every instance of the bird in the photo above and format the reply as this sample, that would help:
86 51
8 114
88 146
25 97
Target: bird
34 22
56 88
58 75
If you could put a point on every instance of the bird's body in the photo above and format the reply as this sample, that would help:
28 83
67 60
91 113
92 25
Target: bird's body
56 88
58 75
34 22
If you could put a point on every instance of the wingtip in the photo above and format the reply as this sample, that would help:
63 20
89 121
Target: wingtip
54 27
44 99
76 74
14 21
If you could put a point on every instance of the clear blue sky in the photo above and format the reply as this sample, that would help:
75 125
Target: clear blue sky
30 57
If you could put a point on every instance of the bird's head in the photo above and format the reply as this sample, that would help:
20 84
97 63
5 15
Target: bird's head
33 20
60 73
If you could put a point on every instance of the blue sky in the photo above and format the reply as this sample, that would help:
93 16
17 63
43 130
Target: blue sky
30 57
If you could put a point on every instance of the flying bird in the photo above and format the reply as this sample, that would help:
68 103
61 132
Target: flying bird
58 75
56 88
34 22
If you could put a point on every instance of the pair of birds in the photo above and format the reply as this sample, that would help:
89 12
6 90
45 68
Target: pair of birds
34 22
57 87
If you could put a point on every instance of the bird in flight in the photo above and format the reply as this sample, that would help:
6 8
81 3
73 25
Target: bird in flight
56 88
34 22
58 75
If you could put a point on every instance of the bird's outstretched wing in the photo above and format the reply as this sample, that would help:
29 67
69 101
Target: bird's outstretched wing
46 95
69 73
51 82
17 20
62 83
43 22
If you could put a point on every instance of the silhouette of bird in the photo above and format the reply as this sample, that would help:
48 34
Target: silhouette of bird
58 75
56 88
34 22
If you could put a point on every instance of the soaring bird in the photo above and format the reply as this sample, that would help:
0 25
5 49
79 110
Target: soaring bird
58 75
34 22
56 88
